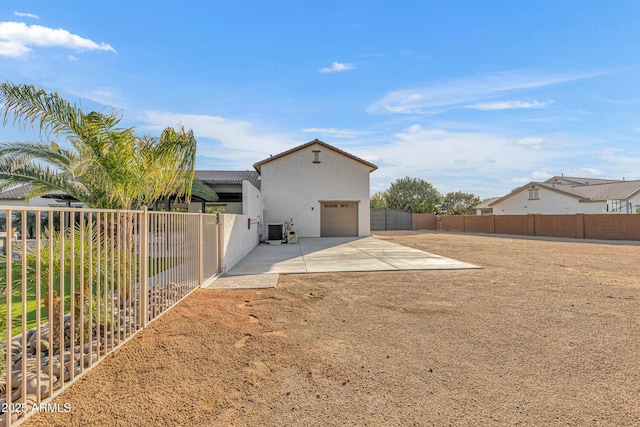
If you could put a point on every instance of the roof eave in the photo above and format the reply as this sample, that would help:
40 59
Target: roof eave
257 166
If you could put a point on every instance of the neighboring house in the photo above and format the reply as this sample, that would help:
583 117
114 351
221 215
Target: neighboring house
484 208
321 189
568 195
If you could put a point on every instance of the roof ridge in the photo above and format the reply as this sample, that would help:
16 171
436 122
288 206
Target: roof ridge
257 165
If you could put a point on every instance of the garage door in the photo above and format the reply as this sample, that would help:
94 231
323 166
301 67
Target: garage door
338 219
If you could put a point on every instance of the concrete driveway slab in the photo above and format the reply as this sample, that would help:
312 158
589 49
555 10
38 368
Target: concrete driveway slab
333 254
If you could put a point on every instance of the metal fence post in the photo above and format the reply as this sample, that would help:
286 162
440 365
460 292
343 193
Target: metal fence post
200 248
143 279
8 250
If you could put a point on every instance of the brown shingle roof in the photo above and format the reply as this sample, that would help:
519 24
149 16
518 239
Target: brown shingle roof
486 203
618 190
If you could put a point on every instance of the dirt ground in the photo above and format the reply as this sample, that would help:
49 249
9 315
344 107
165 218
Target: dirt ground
548 333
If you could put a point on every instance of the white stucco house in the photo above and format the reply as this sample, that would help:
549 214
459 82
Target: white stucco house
484 207
321 189
567 195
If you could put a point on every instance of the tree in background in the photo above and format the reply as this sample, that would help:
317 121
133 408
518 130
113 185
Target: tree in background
459 203
378 200
413 195
95 161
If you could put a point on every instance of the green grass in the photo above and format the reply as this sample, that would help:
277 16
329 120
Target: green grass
156 266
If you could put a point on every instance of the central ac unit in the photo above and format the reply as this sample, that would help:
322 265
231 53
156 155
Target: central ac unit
276 232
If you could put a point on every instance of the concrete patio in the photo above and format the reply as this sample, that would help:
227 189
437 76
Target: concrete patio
330 254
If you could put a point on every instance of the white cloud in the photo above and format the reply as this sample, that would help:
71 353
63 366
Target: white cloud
334 132
337 67
111 96
471 161
439 149
15 37
533 142
508 105
239 142
464 92
11 49
536 176
584 172
26 15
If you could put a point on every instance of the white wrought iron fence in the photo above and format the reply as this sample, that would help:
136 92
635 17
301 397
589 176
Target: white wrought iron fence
77 283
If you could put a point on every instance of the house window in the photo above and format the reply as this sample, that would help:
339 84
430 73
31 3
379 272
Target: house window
617 205
533 194
316 156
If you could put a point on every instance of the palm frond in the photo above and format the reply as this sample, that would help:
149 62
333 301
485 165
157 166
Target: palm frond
203 191
30 106
50 153
42 178
103 165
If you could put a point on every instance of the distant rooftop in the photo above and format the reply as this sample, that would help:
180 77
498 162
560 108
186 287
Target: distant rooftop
584 189
206 176
593 188
20 192
228 177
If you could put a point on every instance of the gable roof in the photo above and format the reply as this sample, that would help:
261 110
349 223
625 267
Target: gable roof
579 181
584 189
486 203
228 177
371 166
609 191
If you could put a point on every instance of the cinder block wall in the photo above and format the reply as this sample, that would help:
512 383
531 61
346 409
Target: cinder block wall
612 227
580 226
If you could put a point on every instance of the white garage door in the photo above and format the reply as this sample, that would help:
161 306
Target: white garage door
338 219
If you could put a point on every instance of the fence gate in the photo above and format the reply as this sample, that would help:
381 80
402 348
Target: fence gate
389 219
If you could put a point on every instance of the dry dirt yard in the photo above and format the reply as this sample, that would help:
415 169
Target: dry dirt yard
548 333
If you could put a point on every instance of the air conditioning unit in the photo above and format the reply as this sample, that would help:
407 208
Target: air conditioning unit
275 233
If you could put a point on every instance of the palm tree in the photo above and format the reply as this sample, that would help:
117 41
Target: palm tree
100 163
94 160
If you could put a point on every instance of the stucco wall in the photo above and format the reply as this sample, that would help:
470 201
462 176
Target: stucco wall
549 202
293 186
252 201
635 203
237 239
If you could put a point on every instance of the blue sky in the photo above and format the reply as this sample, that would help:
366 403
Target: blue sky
474 96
